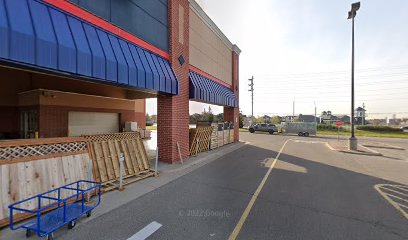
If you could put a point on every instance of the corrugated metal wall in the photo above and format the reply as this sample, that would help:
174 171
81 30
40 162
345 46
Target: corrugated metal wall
146 19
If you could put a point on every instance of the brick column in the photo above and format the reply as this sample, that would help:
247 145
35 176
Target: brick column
232 114
173 111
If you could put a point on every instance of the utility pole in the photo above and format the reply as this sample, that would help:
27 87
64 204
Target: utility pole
351 15
251 89
315 116
293 109
363 117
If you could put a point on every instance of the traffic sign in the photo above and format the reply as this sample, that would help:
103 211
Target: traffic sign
339 123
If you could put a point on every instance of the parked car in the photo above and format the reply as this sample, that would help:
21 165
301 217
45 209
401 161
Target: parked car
404 128
263 127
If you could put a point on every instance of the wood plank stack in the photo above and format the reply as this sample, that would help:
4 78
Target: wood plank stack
231 140
214 137
226 136
200 139
105 150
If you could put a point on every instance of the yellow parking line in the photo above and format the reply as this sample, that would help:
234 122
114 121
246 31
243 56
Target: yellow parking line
399 198
404 188
391 190
245 214
392 202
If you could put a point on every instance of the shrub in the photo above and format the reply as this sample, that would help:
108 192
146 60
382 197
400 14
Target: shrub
329 127
149 123
379 128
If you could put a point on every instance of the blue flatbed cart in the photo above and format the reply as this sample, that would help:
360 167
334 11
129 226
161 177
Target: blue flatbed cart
57 208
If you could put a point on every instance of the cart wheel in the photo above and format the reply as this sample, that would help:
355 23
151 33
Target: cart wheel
306 134
88 214
71 224
50 236
29 233
300 134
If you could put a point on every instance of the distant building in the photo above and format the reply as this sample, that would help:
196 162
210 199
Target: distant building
344 118
300 118
328 118
307 118
360 116
288 118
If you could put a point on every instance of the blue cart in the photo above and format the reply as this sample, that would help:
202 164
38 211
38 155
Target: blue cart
56 208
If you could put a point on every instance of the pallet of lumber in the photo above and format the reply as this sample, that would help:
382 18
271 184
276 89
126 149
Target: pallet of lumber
105 151
200 139
214 137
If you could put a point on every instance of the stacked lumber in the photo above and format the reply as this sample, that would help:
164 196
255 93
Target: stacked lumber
214 137
221 135
145 134
226 136
30 167
200 139
105 150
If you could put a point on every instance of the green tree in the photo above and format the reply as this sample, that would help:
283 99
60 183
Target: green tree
241 119
276 120
219 117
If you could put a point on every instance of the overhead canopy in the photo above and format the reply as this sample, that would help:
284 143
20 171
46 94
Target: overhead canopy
43 37
203 89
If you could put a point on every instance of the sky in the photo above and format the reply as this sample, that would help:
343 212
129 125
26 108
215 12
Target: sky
300 51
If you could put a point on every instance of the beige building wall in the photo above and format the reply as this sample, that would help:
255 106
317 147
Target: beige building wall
208 51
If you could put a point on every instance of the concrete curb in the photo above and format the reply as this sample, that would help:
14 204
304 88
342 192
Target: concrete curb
368 152
207 159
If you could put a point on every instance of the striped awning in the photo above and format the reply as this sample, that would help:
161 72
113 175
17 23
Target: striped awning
203 89
40 36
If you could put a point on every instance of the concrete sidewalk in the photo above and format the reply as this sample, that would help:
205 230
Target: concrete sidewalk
115 199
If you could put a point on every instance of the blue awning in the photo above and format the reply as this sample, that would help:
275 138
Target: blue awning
203 89
38 35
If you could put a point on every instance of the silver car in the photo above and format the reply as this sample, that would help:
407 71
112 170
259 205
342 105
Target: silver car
263 127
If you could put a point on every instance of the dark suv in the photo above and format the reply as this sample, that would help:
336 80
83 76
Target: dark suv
263 127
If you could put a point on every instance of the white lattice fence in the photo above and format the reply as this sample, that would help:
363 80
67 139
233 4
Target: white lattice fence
40 150
27 150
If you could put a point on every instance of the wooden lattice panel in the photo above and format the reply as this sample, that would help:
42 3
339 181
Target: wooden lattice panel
112 136
40 150
34 149
200 139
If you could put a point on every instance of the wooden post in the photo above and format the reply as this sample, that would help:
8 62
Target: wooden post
121 171
156 162
178 147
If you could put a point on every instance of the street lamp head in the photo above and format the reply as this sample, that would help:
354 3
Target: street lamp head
355 6
350 15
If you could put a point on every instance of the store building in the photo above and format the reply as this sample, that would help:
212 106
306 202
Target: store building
76 67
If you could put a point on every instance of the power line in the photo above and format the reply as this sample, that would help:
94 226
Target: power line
386 68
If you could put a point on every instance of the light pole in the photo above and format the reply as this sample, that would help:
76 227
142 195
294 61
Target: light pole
251 85
351 15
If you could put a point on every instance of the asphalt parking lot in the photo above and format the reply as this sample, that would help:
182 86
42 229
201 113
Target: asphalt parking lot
274 187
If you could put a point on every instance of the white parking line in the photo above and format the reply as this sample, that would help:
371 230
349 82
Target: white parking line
146 231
